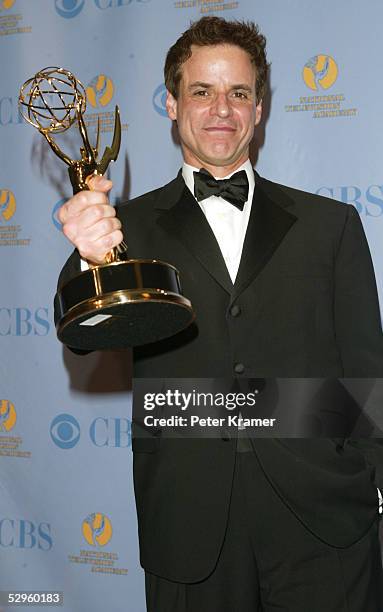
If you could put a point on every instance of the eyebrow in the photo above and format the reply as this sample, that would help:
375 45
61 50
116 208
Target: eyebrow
199 84
243 86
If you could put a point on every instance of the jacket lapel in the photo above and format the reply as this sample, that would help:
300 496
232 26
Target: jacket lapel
181 216
268 224
183 219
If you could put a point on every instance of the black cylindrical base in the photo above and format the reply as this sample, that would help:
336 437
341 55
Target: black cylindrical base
121 305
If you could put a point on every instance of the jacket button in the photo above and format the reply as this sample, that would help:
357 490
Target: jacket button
235 310
239 368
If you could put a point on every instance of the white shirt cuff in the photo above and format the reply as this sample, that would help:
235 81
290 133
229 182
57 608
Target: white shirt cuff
84 265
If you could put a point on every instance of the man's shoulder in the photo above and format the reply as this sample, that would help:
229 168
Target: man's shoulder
149 200
304 202
153 195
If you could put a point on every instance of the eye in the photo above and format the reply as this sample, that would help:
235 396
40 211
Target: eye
201 93
240 95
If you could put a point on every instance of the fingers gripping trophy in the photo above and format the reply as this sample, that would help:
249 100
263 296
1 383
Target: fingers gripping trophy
122 302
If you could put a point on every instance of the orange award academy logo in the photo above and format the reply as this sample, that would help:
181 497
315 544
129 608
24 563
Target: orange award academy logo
97 529
207 6
9 232
7 205
11 23
100 91
7 416
97 532
6 4
320 72
11 444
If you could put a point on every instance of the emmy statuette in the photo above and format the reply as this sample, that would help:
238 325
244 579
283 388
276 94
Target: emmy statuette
123 302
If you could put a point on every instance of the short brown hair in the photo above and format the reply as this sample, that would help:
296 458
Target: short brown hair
210 31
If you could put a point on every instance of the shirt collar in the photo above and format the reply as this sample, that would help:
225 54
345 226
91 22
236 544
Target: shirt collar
187 174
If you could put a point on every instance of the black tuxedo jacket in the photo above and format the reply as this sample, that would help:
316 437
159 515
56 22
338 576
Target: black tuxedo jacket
305 306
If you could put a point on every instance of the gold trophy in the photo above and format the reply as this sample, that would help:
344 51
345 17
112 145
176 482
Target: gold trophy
123 302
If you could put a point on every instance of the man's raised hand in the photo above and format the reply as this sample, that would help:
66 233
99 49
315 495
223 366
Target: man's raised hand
90 222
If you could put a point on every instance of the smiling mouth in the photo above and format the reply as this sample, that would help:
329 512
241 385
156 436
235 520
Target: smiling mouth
223 128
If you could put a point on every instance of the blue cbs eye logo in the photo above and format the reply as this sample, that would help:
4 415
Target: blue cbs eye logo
159 100
55 210
69 8
65 431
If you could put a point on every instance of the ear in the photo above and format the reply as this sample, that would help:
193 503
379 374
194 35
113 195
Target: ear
171 106
258 113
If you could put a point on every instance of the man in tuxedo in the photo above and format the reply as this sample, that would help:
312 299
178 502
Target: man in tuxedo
283 286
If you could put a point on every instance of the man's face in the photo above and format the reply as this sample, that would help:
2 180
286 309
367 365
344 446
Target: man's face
216 109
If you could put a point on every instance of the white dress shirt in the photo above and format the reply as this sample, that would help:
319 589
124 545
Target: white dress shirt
227 222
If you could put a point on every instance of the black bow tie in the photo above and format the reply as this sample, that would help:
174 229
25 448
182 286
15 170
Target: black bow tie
234 189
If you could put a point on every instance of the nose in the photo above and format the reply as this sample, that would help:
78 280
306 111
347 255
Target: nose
221 106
